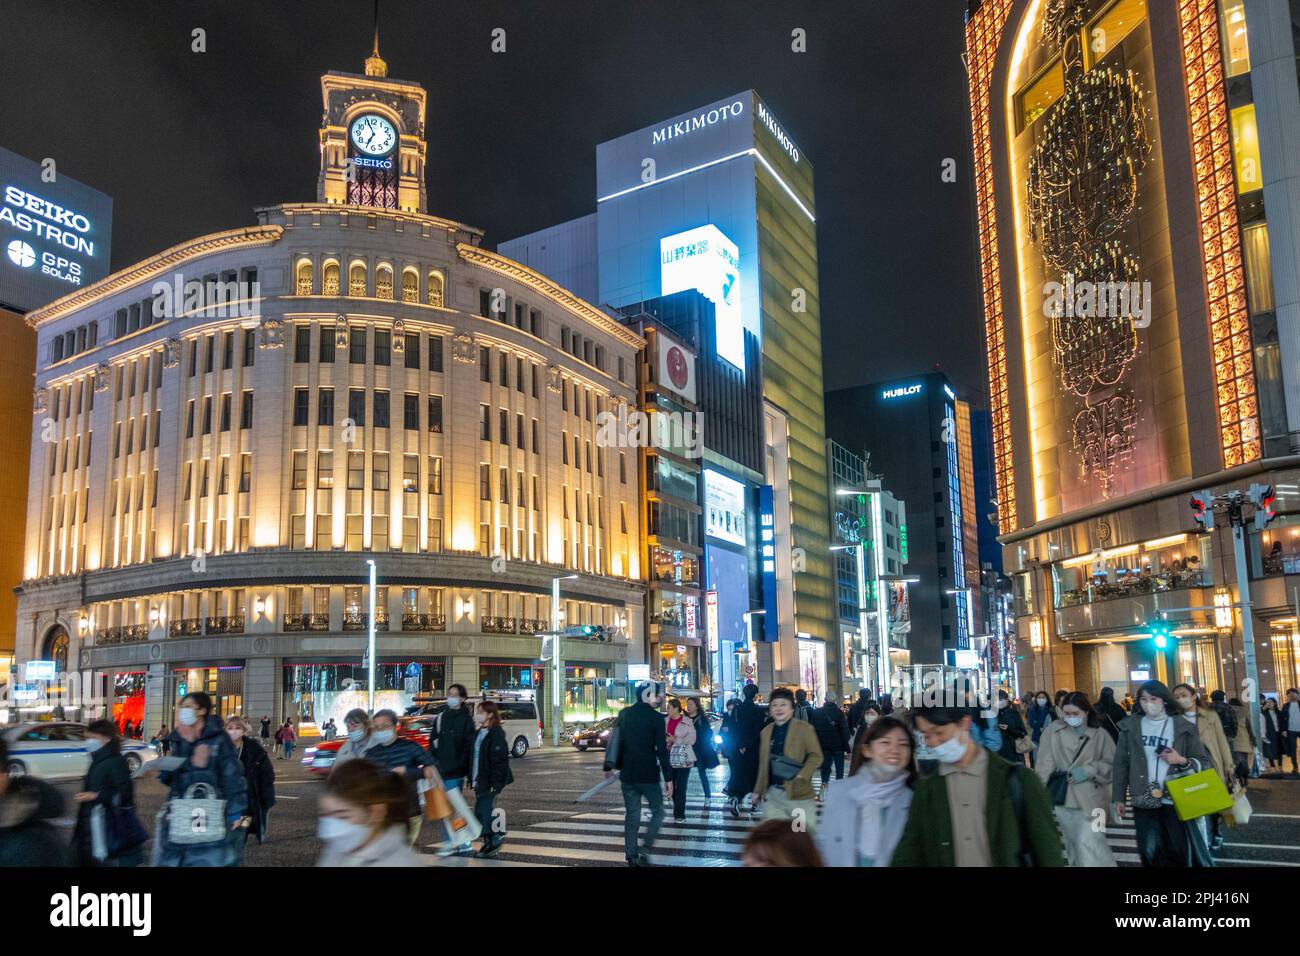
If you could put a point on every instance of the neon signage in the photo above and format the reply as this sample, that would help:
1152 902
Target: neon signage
704 259
902 391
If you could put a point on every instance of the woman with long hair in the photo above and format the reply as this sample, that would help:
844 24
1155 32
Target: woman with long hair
1157 744
259 775
1079 753
864 814
1205 718
706 755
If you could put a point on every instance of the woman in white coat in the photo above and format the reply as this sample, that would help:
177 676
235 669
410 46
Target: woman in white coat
864 814
1077 747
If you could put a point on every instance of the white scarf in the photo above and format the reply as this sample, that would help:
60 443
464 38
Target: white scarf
873 798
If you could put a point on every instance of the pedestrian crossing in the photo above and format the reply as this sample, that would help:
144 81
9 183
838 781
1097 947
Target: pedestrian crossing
585 834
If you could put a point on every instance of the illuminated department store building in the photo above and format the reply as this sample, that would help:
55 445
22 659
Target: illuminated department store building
397 393
1104 425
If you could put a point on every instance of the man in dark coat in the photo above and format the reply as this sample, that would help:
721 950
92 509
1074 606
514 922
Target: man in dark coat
746 728
27 805
640 754
833 735
452 736
404 757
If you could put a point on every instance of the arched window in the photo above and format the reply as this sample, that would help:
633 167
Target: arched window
357 279
330 284
410 286
55 649
435 288
384 282
304 277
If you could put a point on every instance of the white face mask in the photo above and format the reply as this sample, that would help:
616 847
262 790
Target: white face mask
951 750
453 702
869 719
188 716
1074 721
1186 703
356 736
1042 702
341 834
93 744
1002 704
383 737
1154 708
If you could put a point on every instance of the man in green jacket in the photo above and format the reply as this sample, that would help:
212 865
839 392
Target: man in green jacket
971 812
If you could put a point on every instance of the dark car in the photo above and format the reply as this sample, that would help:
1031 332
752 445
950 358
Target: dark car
597 735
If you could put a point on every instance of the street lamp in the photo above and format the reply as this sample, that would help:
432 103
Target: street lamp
557 660
370 645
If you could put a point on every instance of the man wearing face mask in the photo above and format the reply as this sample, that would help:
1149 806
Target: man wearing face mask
978 809
1156 744
1040 715
639 753
404 757
450 743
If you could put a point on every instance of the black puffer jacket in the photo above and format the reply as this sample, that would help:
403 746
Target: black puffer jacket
223 773
26 836
451 740
110 777
832 728
493 763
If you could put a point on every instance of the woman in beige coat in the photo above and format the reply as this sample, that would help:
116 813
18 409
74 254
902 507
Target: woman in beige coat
1077 746
1210 729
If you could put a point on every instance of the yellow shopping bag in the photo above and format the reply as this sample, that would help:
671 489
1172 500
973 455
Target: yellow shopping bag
1199 794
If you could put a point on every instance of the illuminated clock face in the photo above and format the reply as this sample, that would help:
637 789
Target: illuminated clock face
373 135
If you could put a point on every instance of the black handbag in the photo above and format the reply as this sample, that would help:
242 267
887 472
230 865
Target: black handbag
783 768
1058 781
123 829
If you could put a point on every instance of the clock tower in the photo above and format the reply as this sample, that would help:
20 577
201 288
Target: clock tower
372 147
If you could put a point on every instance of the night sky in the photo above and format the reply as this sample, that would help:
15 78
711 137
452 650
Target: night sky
189 143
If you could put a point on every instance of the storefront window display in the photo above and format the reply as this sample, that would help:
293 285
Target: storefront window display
590 694
812 668
676 567
224 684
315 693
679 666
128 698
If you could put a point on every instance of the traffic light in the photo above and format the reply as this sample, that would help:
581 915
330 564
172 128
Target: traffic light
1161 631
590 632
1203 509
1262 497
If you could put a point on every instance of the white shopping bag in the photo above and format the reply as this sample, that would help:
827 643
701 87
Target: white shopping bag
462 826
98 833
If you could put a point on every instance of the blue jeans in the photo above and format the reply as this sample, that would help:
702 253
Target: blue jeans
288 749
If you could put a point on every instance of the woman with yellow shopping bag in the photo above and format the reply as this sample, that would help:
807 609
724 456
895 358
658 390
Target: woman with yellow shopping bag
1157 746
1209 726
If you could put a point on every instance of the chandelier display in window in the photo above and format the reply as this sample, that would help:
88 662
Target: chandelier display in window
1081 196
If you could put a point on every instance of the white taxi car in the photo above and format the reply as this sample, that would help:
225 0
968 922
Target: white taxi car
55 749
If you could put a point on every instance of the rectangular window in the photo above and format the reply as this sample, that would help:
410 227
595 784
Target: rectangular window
534 381
356 471
357 345
299 470
207 415
411 476
223 476
435 535
324 469
325 407
564 448
485 303
228 350
505 369
435 413
503 426
327 342
484 364
536 443
245 473
519 375
412 350
379 478
301 344
383 347
504 486
208 347
435 475
622 468
411 411
246 409
484 482
357 406
1040 96
485 422
300 398
381 409
435 353
250 347
519 431
189 419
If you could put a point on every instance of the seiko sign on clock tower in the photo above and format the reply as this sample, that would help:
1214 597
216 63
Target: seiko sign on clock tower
372 140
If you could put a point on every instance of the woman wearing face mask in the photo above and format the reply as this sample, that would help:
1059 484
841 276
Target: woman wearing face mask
1210 727
681 749
706 756
1040 715
1155 745
1012 728
489 773
208 757
449 742
864 814
357 723
107 784
1079 748
259 775
363 818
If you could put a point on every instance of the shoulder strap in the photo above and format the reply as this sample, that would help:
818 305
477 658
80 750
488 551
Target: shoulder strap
1083 743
